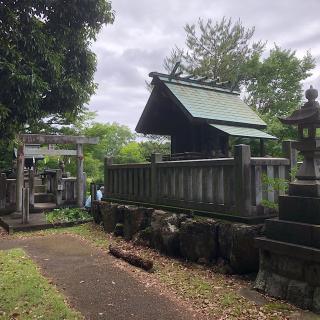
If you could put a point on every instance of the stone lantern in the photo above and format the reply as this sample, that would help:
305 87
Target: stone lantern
290 250
307 119
307 182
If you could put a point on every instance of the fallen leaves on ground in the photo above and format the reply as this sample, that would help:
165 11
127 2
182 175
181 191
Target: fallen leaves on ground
201 290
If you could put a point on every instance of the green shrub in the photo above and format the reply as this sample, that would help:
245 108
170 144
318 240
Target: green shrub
67 215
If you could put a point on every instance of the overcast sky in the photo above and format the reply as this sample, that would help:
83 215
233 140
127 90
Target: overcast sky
145 31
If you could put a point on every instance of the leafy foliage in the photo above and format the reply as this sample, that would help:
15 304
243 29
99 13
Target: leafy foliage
67 215
275 87
155 144
273 184
130 153
46 64
275 90
218 49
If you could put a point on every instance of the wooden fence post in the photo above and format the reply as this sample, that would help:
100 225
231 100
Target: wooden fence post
84 186
242 157
20 177
3 190
25 205
80 175
107 162
31 187
290 153
155 158
58 187
93 193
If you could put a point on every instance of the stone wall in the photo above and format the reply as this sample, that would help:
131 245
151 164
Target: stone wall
202 240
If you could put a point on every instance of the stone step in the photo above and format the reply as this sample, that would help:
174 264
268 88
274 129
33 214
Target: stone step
44 206
44 197
37 182
40 189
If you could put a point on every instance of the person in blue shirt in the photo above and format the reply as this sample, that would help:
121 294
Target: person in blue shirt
99 196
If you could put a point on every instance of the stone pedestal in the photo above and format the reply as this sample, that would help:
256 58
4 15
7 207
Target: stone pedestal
290 253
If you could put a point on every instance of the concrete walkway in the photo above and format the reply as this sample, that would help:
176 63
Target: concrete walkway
92 283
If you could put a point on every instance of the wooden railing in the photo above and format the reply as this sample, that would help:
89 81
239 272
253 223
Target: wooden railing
227 185
69 189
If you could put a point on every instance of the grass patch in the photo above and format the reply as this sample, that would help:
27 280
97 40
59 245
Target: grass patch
26 294
276 306
67 215
229 299
88 231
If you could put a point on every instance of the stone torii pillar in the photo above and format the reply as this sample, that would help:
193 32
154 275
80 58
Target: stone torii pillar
79 141
20 177
80 175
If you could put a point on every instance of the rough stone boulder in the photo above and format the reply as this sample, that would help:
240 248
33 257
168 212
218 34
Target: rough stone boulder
198 240
109 215
165 232
236 246
135 219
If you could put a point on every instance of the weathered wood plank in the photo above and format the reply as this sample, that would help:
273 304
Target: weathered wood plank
56 139
218 189
49 152
270 173
136 182
197 163
258 185
282 175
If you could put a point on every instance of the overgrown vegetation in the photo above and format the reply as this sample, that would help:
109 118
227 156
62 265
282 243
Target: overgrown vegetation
67 215
270 185
46 62
25 294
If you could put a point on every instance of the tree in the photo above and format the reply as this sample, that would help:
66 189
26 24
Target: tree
217 49
275 90
112 137
275 86
130 153
46 65
154 144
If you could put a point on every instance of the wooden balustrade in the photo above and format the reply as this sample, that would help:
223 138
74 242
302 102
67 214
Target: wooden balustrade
226 185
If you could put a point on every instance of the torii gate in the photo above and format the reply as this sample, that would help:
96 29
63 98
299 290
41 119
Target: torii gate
51 139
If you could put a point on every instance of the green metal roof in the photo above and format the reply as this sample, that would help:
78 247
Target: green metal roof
204 101
243 132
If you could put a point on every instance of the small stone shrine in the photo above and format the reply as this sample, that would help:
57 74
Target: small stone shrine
290 250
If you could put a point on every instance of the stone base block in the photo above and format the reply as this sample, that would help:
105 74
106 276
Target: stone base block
290 272
299 209
291 279
293 232
305 188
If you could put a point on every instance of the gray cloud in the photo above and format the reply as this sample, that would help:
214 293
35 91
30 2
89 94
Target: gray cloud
144 32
